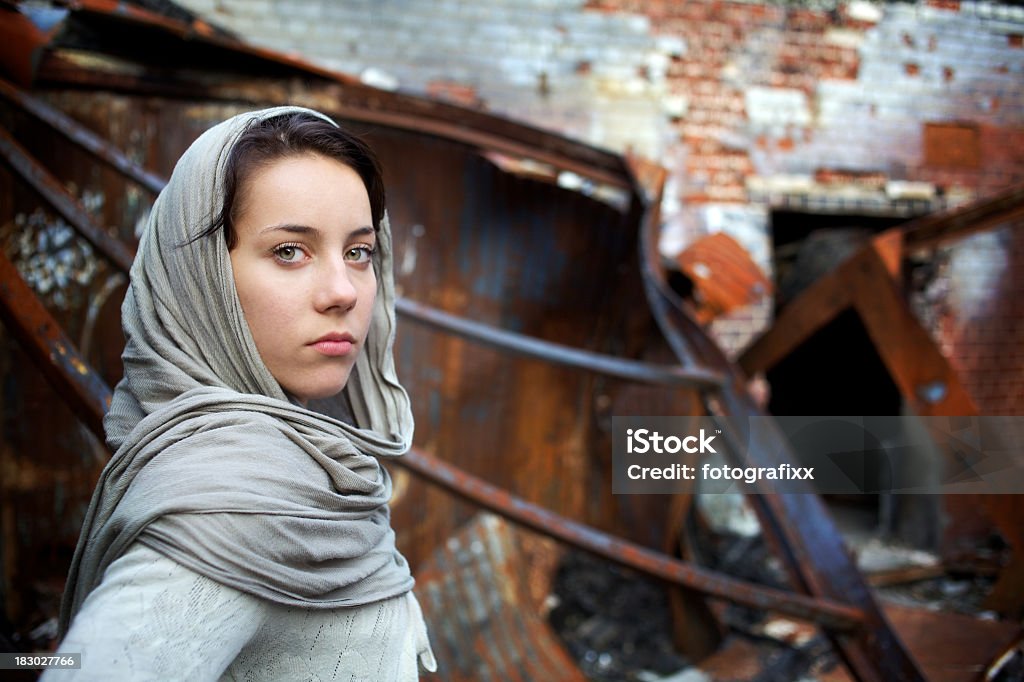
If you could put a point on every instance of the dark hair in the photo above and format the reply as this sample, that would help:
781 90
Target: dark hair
286 136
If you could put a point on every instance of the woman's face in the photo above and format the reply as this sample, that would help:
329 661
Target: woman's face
302 269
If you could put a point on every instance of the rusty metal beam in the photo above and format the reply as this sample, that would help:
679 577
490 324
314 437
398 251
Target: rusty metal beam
934 229
812 309
134 17
53 352
556 353
830 614
484 140
81 136
54 193
925 377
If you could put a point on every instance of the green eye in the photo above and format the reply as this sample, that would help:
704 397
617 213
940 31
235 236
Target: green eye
359 254
287 253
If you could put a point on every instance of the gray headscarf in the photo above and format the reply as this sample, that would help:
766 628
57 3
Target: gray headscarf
214 466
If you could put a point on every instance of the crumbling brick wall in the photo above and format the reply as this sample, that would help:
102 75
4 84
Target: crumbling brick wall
980 320
885 109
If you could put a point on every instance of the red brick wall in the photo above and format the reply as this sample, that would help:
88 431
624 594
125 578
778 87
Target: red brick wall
732 47
949 112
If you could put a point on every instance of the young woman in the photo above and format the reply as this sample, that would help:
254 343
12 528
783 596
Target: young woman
241 530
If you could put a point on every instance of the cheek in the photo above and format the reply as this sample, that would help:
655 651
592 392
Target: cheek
373 292
264 304
370 298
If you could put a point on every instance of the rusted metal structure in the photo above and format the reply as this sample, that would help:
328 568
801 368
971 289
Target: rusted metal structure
534 311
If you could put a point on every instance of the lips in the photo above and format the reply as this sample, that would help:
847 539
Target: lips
334 344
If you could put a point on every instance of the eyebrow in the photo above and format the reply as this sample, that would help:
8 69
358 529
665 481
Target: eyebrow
306 229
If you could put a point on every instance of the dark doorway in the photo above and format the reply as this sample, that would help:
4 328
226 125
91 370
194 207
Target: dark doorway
837 371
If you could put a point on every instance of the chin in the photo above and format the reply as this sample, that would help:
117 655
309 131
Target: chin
321 389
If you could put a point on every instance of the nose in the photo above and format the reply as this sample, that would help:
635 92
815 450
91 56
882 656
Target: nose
334 288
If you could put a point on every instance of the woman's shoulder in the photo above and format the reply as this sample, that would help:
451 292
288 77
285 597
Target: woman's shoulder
153 618
384 640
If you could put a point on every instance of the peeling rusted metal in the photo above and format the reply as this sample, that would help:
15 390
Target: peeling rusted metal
82 136
55 195
22 44
724 274
475 599
54 353
125 16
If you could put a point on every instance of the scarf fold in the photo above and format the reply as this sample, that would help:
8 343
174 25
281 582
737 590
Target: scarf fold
214 466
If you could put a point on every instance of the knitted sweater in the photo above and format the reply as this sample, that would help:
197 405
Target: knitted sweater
153 619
